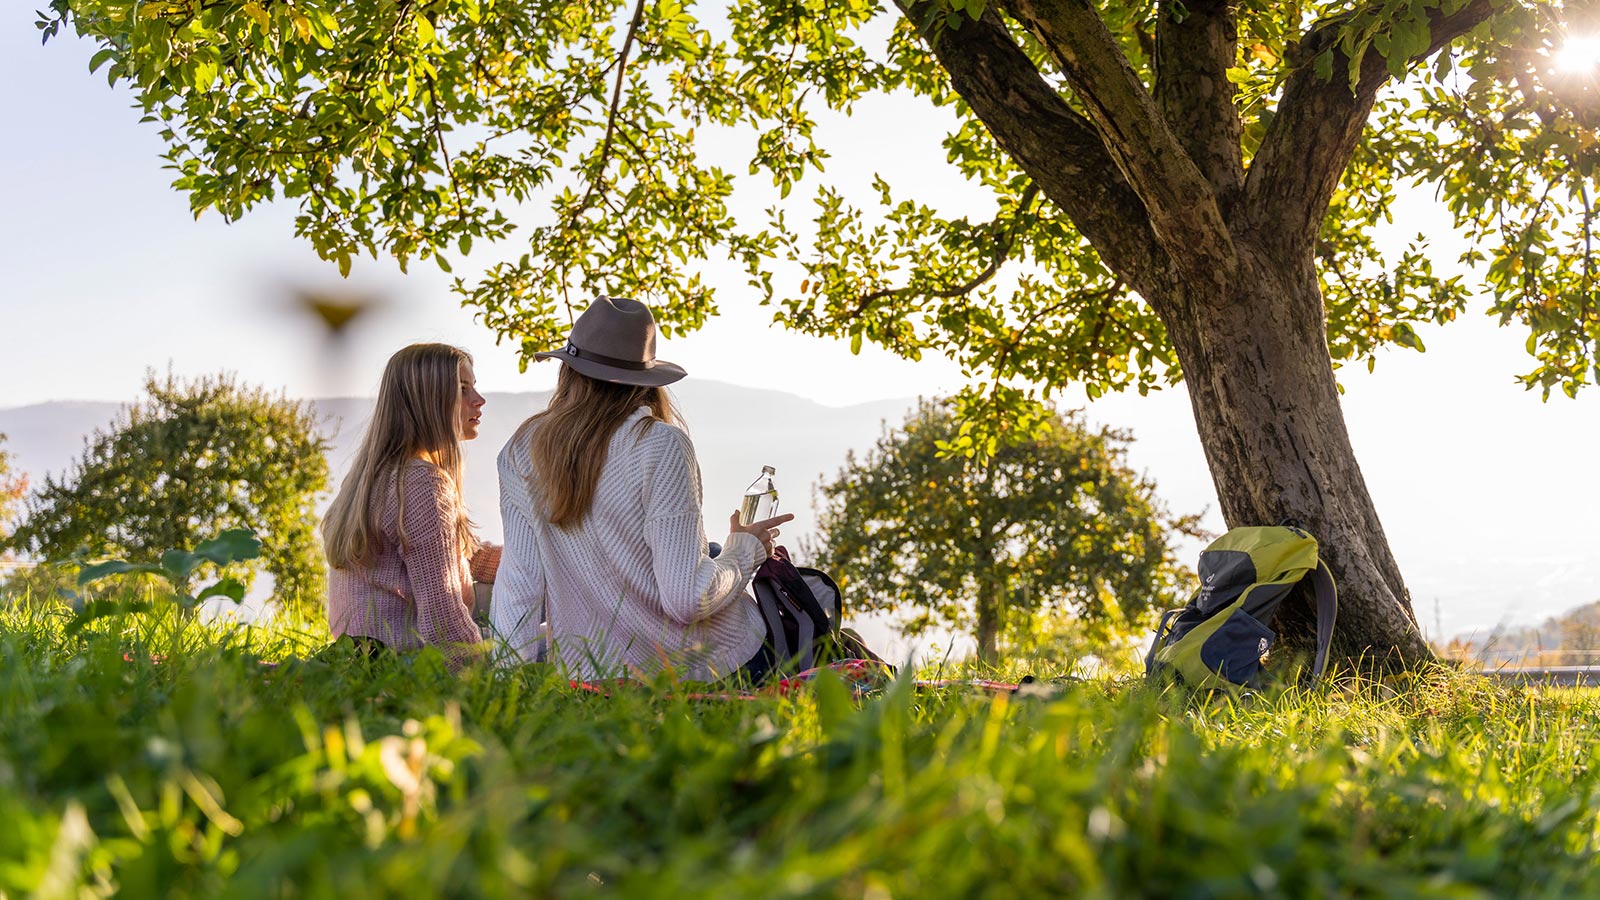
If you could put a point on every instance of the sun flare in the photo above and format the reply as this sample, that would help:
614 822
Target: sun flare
1579 55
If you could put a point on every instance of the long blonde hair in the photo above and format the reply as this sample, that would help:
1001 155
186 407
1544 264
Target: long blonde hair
417 416
569 446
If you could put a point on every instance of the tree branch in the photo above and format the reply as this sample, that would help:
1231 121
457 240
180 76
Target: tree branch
603 156
1054 145
438 133
1195 46
616 103
1002 251
1318 124
1105 294
1181 205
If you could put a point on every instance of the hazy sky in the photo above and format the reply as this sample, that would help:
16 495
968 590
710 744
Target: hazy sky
1487 494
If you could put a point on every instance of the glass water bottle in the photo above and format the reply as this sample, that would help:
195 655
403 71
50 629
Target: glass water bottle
760 499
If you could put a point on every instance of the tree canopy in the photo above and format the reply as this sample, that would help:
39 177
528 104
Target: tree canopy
192 460
1054 524
416 129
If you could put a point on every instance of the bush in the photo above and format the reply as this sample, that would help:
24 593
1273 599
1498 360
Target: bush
192 460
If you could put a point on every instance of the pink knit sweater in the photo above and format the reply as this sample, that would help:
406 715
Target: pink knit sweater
418 591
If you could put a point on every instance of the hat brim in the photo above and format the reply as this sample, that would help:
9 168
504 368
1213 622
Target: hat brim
659 373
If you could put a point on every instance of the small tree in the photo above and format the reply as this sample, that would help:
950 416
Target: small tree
1053 523
194 459
12 489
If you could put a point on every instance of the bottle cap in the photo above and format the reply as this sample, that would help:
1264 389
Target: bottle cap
768 470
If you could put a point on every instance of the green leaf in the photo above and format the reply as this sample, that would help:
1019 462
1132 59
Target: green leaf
205 73
1324 65
834 704
91 574
227 587
855 344
99 609
233 545
179 565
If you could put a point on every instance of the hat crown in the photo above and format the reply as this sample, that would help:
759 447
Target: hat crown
620 328
615 340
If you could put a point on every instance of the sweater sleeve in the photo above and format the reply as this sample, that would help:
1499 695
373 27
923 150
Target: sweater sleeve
693 585
433 560
517 612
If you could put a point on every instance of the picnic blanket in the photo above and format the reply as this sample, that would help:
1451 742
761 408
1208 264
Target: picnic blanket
861 676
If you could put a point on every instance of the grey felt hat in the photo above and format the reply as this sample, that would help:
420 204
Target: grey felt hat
615 340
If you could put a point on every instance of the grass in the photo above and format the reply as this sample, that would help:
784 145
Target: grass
204 773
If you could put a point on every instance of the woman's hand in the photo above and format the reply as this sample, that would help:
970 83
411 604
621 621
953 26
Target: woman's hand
485 563
766 530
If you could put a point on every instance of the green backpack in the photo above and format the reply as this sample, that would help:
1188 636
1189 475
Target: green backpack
1218 640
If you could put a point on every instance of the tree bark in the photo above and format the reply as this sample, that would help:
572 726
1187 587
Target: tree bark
1197 42
1056 146
988 633
1262 389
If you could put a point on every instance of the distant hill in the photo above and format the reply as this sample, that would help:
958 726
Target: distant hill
1571 638
736 431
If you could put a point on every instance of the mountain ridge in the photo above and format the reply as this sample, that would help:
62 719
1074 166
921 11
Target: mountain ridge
736 430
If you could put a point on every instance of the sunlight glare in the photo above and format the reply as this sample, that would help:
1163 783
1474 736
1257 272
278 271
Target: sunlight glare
1579 55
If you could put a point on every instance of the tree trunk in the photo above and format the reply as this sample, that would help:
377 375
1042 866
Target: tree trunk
1255 358
988 627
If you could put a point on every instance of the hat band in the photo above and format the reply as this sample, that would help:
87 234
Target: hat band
612 361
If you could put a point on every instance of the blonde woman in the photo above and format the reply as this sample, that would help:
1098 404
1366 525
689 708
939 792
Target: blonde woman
402 552
606 550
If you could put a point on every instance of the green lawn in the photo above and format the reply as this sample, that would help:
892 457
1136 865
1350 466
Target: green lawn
207 774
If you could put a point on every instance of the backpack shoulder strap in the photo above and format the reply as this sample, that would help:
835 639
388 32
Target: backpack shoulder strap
1327 598
1155 645
768 604
793 584
827 593
782 592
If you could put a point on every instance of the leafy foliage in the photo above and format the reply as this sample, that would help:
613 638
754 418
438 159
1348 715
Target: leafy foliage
1515 152
205 773
192 460
177 567
1051 524
12 489
417 129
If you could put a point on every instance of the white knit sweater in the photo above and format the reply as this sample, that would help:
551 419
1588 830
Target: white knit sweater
630 589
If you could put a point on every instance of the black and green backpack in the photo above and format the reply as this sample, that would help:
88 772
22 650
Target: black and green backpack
1219 639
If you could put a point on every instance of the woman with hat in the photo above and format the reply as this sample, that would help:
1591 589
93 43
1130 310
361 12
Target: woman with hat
600 494
400 547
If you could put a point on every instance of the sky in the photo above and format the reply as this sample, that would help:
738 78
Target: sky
1487 494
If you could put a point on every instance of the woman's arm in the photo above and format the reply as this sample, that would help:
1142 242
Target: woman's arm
432 559
693 585
517 611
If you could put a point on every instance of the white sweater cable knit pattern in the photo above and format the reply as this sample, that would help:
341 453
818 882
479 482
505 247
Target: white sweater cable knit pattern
630 588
